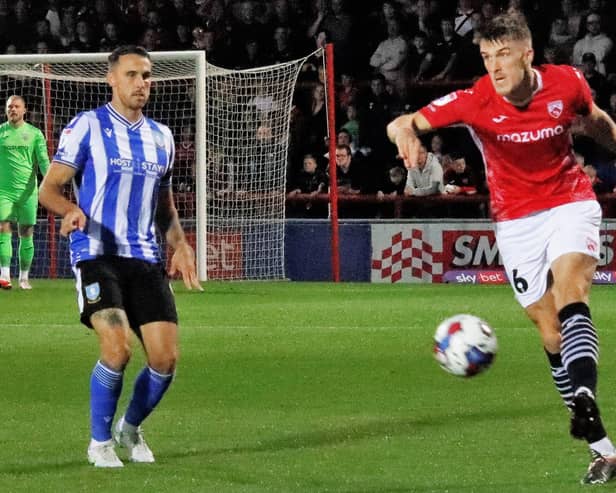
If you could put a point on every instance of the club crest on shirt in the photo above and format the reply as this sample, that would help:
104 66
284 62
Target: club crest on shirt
25 137
160 140
93 292
555 108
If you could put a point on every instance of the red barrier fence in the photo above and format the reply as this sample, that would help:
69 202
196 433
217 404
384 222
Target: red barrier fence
402 204
399 204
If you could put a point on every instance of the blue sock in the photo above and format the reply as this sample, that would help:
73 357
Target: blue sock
105 389
150 387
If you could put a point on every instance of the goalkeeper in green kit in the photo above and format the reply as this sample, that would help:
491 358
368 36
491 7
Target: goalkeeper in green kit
22 150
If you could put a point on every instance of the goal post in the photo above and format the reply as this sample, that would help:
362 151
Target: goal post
231 130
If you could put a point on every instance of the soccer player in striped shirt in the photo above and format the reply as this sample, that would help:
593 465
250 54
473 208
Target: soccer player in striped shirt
23 150
546 214
121 163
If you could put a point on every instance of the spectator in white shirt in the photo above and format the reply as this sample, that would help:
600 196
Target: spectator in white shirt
427 177
595 41
462 21
390 57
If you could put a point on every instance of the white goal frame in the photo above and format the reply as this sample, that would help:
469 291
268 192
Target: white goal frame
213 86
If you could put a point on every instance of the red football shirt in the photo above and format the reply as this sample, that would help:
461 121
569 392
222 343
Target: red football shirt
527 151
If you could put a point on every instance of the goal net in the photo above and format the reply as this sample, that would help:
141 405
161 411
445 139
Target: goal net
247 138
231 132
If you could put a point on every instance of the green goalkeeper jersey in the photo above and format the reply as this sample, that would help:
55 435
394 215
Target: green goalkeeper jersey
22 149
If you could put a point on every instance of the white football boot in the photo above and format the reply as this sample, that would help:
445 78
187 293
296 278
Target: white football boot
25 284
102 454
133 441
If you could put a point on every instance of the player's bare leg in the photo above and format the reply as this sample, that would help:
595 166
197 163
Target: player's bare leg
111 326
563 319
160 344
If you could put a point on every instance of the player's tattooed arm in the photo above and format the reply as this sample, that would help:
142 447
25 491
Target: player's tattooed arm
167 219
183 259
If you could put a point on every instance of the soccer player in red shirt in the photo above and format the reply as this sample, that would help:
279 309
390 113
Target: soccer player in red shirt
545 211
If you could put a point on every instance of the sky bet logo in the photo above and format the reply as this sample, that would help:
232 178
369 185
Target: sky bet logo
604 277
126 165
477 276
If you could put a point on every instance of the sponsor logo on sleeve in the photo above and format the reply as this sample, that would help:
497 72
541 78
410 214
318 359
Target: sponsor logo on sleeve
63 136
446 99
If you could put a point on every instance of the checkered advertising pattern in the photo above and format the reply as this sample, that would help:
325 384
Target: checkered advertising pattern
405 252
431 251
456 252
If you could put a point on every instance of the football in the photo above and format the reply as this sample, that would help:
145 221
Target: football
465 345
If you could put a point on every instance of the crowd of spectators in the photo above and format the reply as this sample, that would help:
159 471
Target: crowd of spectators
391 56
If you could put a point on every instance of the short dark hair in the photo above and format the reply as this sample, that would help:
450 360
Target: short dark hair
397 172
510 26
345 148
345 131
457 154
115 55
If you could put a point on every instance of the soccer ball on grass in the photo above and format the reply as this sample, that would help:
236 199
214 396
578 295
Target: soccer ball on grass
464 345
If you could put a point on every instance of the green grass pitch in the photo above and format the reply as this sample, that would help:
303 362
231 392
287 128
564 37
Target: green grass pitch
300 387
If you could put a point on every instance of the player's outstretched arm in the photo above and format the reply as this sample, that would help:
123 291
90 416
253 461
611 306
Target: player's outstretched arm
183 259
599 126
404 131
52 198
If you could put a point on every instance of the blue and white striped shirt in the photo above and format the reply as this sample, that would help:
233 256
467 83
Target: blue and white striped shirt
121 166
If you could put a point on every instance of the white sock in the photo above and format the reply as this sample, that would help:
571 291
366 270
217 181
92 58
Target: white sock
23 275
5 272
127 427
94 443
604 446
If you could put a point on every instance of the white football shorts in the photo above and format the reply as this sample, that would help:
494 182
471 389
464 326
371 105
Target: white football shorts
530 244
